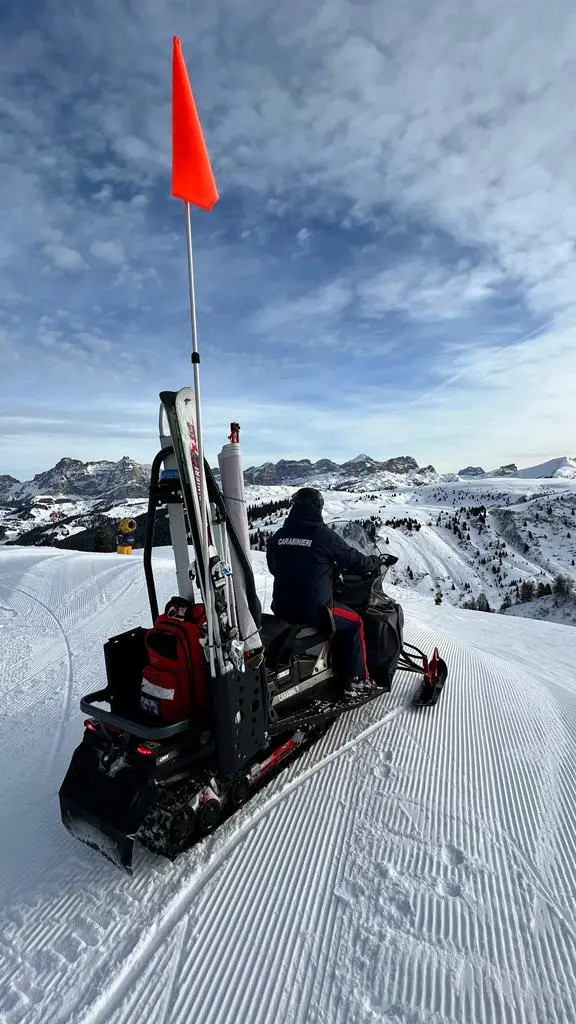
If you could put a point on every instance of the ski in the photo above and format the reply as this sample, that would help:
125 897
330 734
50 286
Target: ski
214 576
190 496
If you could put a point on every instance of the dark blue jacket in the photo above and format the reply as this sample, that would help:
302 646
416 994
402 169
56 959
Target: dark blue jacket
302 557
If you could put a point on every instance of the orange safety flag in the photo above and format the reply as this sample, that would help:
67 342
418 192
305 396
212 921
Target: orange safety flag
192 178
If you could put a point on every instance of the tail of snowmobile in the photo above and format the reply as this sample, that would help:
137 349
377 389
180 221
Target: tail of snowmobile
102 810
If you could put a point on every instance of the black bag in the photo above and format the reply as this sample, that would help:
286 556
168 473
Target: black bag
383 625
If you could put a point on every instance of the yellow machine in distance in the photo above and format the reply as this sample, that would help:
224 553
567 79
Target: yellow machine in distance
125 536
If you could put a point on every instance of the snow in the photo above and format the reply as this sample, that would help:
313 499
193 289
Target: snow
130 507
412 867
563 467
547 608
45 510
534 525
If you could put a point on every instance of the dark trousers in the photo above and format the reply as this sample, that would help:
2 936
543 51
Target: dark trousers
348 646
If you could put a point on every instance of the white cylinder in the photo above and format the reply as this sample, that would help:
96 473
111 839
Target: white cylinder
232 477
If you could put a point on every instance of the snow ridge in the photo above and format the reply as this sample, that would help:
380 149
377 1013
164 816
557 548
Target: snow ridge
564 468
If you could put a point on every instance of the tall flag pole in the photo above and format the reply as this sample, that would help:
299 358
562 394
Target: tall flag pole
193 181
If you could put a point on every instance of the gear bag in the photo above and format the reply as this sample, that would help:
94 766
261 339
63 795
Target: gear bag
383 625
174 680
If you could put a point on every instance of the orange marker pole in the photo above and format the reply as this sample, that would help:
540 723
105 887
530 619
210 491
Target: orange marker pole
193 181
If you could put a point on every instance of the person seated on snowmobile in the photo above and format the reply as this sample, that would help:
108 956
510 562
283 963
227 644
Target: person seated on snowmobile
302 557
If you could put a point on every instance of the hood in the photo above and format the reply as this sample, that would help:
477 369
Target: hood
304 514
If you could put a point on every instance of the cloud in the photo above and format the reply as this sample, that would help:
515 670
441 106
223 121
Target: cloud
430 155
110 252
427 292
94 343
324 302
445 113
65 258
486 420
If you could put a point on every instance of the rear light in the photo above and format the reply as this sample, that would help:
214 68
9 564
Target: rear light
145 751
90 725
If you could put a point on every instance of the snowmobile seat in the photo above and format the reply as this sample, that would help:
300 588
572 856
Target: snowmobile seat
271 627
284 640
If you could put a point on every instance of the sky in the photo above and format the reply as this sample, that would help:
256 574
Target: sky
390 269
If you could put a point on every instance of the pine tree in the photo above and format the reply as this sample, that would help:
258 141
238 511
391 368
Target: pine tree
527 591
562 586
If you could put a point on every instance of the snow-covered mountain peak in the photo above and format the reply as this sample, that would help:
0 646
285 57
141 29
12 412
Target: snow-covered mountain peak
560 468
564 468
74 478
7 485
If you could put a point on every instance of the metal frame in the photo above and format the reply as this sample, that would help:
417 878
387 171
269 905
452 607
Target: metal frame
153 503
144 732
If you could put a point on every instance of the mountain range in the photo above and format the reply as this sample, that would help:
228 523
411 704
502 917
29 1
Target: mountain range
118 481
325 472
73 478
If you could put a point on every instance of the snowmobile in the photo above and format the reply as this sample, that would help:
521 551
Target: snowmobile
204 707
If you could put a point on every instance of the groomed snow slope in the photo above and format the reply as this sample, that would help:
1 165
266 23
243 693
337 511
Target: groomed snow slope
413 868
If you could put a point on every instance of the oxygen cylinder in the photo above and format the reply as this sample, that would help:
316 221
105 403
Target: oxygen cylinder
232 477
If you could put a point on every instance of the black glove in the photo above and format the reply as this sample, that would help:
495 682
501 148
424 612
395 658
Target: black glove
388 560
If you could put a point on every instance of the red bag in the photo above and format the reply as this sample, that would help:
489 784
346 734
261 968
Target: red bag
174 683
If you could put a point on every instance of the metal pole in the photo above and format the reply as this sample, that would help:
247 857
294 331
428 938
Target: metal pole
203 500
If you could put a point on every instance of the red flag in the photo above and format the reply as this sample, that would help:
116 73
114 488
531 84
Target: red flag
192 178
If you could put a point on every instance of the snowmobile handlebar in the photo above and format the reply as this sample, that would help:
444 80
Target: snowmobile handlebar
386 561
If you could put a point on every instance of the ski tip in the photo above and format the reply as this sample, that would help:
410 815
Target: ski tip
425 697
431 688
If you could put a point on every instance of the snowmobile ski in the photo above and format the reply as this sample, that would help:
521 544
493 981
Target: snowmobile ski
430 689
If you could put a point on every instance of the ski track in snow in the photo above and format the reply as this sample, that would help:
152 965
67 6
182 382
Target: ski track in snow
414 866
